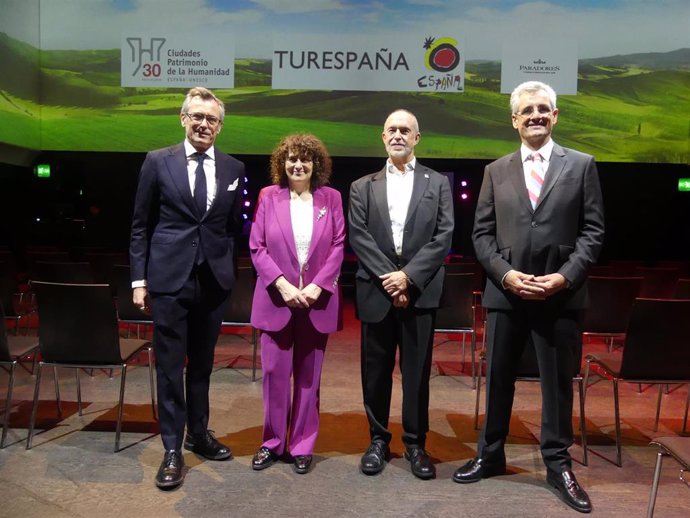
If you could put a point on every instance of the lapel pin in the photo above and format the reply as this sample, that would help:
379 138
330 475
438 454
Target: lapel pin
426 175
322 213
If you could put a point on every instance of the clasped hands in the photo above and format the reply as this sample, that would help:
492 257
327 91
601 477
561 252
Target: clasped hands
293 296
396 285
531 287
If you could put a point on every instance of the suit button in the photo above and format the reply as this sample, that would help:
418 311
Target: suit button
193 244
534 224
306 266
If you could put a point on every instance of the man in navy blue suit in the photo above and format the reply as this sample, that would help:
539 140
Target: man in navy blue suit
186 214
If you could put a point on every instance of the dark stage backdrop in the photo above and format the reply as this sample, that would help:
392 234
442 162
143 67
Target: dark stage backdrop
88 201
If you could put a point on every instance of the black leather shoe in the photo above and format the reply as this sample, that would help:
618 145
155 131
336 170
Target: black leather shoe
263 458
374 459
171 472
569 490
302 464
477 469
420 463
207 446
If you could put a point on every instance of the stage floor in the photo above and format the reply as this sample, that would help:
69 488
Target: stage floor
72 470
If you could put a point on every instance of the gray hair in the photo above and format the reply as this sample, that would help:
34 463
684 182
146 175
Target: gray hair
531 87
206 95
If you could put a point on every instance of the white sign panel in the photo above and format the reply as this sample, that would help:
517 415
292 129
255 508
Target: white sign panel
553 62
176 61
365 63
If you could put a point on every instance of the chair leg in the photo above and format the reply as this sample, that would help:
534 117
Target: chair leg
254 345
57 392
655 484
685 417
463 350
476 400
584 394
149 350
76 374
473 345
658 408
583 425
619 461
34 407
8 405
119 407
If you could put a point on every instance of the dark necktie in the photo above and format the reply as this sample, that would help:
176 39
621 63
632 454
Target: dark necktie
200 184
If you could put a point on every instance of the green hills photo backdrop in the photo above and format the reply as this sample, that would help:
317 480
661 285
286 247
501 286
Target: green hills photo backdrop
632 108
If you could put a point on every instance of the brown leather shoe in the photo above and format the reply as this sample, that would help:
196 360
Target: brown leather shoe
569 490
171 471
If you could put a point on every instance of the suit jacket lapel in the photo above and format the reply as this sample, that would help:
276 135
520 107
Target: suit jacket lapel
380 195
419 186
281 199
320 220
556 166
222 179
516 171
176 162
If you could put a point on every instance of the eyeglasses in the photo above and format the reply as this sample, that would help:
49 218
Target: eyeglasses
199 118
529 111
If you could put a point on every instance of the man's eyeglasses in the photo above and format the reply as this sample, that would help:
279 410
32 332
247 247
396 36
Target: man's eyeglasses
199 118
529 111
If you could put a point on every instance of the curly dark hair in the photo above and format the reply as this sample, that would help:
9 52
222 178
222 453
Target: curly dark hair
308 147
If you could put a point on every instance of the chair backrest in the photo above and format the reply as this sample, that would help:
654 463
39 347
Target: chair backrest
610 303
65 272
77 323
8 284
682 289
238 308
657 342
468 267
658 283
455 310
102 264
4 343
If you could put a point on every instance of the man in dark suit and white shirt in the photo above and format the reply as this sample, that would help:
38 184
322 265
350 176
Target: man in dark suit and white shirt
186 214
539 227
401 227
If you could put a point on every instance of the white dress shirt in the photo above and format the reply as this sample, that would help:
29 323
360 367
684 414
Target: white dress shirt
399 192
302 218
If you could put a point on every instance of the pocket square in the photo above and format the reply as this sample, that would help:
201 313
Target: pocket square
233 185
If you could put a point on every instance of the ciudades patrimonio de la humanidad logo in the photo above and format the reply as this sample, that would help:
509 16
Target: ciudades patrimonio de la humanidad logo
443 56
151 66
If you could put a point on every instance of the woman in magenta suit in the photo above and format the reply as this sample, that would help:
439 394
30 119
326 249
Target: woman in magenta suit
296 244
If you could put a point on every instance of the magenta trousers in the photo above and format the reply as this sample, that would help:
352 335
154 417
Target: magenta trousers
296 350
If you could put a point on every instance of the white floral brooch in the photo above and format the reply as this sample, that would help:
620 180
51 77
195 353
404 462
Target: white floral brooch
322 213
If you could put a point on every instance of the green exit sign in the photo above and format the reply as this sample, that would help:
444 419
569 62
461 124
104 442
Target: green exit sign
684 184
43 170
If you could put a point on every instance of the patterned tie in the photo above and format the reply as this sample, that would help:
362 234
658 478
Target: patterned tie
536 178
200 184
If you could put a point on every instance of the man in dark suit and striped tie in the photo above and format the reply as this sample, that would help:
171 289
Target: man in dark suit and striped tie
539 227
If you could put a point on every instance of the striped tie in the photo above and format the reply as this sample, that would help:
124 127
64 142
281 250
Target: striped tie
536 178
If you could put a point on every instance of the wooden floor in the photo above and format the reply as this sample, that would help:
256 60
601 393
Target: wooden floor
72 471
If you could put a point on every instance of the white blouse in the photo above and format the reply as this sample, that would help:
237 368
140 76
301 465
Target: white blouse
302 217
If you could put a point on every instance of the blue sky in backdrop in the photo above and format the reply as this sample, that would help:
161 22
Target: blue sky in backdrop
600 28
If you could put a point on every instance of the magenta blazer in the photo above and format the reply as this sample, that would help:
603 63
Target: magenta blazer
272 247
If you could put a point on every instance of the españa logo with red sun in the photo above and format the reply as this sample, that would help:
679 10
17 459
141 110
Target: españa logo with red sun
442 54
